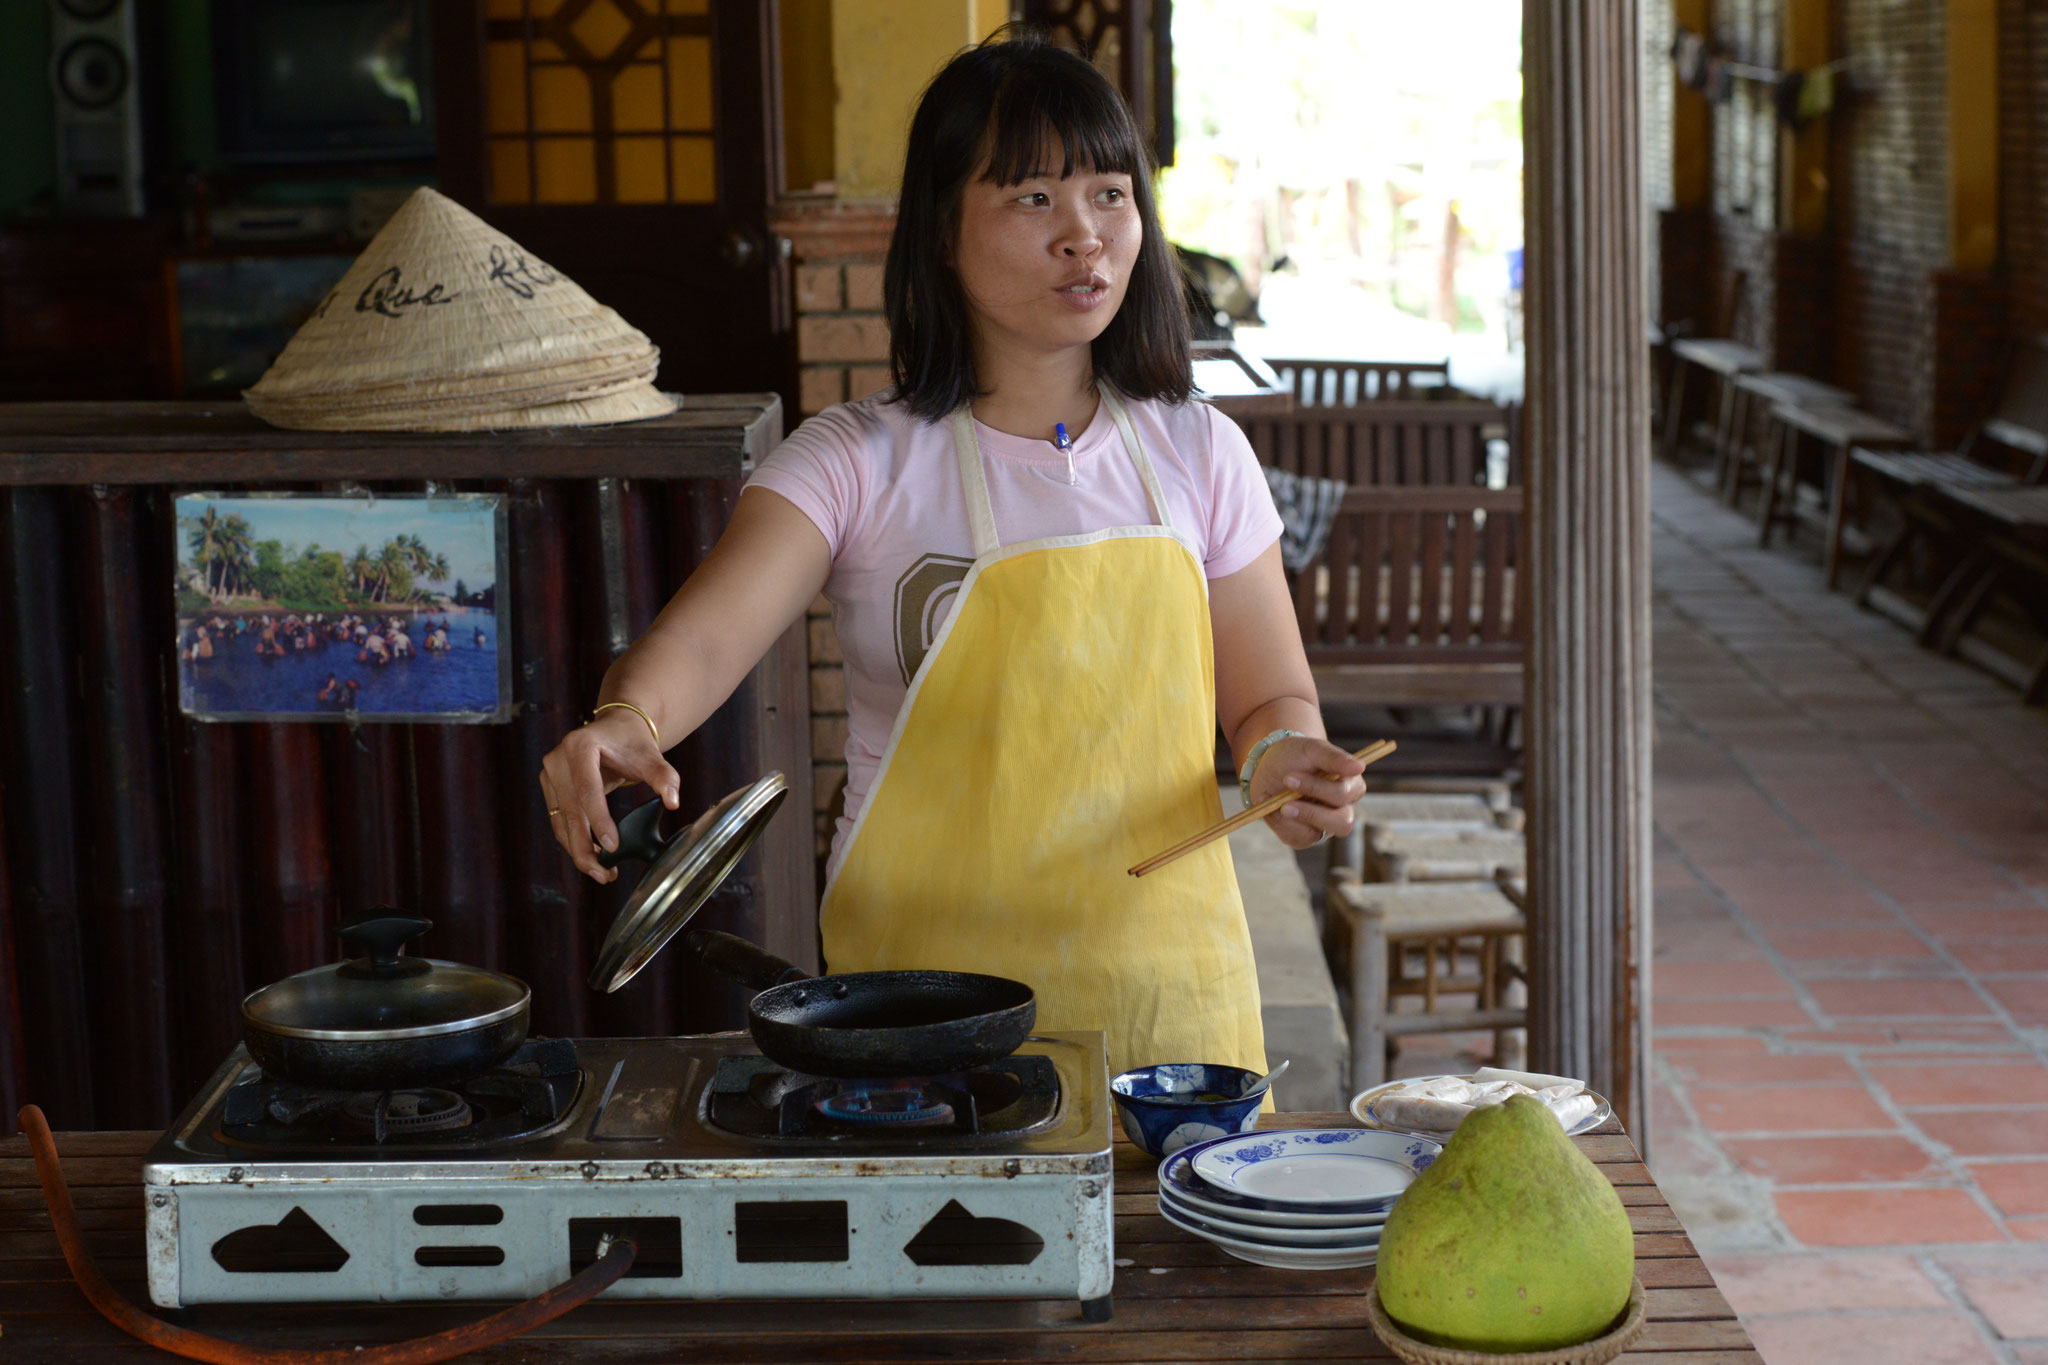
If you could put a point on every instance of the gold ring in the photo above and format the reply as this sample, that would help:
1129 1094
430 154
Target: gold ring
554 810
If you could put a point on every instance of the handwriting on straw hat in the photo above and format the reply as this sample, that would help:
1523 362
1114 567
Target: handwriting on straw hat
387 294
510 268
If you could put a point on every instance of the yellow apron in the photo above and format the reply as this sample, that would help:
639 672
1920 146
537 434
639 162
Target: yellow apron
1061 728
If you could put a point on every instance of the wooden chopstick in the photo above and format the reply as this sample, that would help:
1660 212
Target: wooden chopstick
1370 754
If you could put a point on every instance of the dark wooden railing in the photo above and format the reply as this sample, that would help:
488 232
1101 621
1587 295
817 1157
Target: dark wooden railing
153 869
1414 598
1343 383
1384 443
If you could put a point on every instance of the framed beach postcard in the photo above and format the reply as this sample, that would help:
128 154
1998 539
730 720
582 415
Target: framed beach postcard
303 606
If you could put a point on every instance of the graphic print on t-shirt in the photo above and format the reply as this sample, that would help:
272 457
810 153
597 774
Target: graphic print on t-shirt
926 589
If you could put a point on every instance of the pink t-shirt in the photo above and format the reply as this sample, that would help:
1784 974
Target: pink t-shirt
885 489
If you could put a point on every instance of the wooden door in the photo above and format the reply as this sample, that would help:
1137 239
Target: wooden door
633 145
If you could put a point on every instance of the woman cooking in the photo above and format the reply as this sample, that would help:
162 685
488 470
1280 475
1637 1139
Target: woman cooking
1051 574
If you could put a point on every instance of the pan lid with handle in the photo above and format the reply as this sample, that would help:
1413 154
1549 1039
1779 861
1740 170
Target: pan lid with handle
384 994
681 874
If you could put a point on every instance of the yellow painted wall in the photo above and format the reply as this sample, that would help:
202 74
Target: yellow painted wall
883 54
1803 154
1692 139
1973 133
808 146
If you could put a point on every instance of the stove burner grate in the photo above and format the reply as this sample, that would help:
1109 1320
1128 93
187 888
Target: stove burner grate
900 1106
403 1113
527 1095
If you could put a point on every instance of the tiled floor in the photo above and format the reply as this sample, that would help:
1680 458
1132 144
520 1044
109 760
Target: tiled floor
1851 985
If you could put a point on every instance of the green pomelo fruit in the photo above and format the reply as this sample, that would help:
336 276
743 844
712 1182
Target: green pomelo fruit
1511 1241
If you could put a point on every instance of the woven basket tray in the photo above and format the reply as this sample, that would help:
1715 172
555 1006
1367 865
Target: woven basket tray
1598 1351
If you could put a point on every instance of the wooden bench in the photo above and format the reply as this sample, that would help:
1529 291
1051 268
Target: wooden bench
1721 360
2009 527
1839 431
1345 383
1736 456
2009 449
1468 939
1413 601
1391 442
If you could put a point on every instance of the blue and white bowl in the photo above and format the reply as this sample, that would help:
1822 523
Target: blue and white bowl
1160 1111
1178 1179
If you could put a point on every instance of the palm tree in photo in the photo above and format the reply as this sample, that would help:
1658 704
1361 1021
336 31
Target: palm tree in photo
205 543
238 548
359 569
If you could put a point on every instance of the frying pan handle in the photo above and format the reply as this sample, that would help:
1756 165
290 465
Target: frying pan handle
755 968
639 836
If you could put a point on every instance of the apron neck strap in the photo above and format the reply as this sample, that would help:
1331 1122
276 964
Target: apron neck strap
981 514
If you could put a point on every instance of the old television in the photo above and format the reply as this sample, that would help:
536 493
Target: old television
300 82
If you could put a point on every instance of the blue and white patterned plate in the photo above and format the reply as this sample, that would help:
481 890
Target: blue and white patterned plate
1177 1177
1283 1258
1316 1167
1355 1235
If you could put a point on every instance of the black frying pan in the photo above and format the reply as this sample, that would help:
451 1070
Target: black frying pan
872 1025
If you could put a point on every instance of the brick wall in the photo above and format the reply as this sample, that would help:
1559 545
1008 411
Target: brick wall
842 354
1890 204
2023 159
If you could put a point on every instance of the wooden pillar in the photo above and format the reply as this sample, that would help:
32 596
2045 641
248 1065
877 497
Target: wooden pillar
1803 152
1973 134
1588 572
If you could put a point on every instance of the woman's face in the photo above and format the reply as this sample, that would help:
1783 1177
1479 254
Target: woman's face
1044 263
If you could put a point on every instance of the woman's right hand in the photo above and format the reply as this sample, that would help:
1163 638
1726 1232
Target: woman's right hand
614 749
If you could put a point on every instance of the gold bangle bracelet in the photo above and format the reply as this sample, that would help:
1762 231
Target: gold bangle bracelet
652 728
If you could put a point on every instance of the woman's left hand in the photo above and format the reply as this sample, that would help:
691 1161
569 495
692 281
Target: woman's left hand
1328 781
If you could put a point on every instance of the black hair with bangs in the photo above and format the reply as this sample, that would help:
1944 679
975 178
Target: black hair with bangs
1014 99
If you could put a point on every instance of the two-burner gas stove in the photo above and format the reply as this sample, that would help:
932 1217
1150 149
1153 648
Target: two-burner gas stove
733 1178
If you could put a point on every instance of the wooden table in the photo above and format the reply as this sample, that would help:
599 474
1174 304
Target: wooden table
1177 1298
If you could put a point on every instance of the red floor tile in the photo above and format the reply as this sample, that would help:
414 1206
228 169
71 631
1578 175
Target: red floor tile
1727 1013
2028 1229
1822 1282
1743 1068
1928 1337
1776 1109
2015 1187
1715 980
2025 998
1961 921
1832 1160
2001 954
1745 1042
1849 943
1987 1132
1839 1037
1884 1218
2015 1303
1925 1084
1896 997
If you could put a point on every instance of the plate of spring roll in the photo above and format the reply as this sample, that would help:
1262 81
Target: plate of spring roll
1434 1106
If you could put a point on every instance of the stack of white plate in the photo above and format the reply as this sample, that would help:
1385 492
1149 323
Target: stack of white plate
1296 1199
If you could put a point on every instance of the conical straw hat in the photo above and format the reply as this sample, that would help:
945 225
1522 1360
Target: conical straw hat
441 296
632 404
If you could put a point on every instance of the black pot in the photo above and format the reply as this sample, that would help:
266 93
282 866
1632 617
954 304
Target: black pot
383 1021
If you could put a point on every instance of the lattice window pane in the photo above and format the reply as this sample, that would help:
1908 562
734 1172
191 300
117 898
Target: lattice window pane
695 165
641 170
585 99
689 84
567 168
561 100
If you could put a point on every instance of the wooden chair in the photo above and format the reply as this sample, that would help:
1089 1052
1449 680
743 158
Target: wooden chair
1413 601
1736 457
2009 527
1839 431
1346 383
1400 442
2009 449
1424 940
